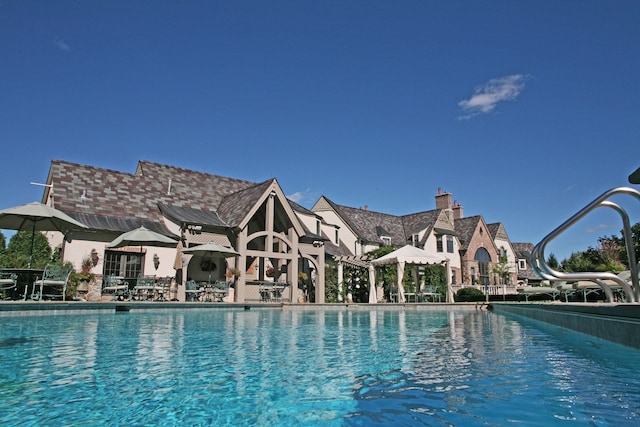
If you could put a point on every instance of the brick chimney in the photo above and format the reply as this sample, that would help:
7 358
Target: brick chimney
443 200
457 210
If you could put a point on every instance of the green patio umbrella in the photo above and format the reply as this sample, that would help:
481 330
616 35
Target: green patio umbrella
210 249
37 217
142 237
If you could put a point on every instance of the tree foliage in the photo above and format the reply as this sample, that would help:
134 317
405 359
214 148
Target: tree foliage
621 243
501 268
591 260
16 255
552 261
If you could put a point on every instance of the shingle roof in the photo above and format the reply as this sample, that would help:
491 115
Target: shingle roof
113 200
370 226
465 227
523 251
184 215
497 231
367 224
233 207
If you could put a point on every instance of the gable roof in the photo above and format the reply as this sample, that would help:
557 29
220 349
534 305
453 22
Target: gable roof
368 224
119 201
465 227
524 251
234 207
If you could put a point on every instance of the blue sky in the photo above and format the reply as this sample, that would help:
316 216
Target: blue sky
524 111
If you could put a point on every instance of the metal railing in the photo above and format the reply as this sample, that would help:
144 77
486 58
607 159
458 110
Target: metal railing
543 269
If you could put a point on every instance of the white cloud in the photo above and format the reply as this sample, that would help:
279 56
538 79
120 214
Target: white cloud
302 196
296 197
61 44
486 97
599 228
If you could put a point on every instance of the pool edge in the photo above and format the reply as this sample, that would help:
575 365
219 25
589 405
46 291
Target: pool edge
619 323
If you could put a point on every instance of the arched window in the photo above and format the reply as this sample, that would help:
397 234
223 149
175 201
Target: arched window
483 258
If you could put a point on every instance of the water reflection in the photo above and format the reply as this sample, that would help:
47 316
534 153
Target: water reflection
292 367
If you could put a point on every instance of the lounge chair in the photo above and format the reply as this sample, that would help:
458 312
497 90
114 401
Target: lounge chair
528 291
53 283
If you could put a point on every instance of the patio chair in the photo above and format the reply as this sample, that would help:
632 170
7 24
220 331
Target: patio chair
220 290
161 288
145 287
116 286
53 283
193 291
8 284
429 293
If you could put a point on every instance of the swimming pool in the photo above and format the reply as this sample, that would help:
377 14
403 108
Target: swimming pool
288 367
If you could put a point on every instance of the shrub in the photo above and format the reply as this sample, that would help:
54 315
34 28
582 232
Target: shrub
469 294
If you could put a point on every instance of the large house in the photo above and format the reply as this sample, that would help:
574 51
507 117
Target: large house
276 239
255 219
472 247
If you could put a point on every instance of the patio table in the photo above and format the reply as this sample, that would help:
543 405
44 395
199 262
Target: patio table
26 277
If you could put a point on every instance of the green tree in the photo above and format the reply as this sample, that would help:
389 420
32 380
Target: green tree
17 253
581 261
600 259
3 249
501 268
552 261
635 237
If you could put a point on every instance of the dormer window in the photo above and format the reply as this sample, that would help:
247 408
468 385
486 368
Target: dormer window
439 244
522 264
386 241
415 239
449 244
318 227
337 237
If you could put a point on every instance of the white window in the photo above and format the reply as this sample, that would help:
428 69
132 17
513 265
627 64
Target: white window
450 244
337 237
386 241
522 264
415 239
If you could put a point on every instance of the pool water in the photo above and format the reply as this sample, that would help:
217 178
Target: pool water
335 368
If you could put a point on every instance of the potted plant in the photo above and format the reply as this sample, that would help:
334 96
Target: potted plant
79 282
232 274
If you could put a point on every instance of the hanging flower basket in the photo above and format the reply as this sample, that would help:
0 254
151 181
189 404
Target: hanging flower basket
270 272
232 273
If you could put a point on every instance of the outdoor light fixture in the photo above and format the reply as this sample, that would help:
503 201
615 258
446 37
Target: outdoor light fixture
94 257
156 261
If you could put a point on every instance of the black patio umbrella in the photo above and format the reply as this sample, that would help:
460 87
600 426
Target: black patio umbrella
634 178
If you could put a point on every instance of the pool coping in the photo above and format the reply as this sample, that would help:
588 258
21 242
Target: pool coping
9 308
615 322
